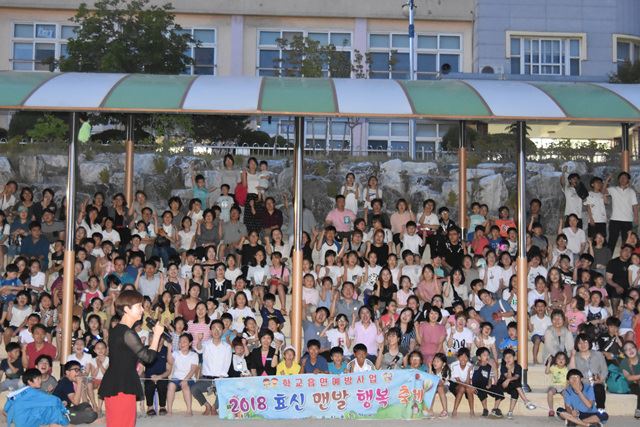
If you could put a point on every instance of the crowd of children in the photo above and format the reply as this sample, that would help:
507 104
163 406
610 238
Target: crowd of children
381 290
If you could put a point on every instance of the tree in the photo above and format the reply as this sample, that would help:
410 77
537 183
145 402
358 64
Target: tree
306 57
49 128
628 72
127 36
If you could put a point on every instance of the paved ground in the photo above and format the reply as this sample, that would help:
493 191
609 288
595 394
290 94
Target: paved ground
449 422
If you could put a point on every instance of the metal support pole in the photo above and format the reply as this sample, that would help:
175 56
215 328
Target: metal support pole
462 179
626 154
412 76
68 275
296 290
521 265
128 164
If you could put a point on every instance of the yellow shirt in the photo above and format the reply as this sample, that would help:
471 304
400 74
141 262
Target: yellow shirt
282 369
558 375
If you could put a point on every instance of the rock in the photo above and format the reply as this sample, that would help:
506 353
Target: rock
54 161
493 191
417 168
143 164
91 172
577 167
472 173
6 171
539 167
30 169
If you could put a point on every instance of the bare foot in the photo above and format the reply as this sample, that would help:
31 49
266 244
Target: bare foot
189 414
454 414
207 411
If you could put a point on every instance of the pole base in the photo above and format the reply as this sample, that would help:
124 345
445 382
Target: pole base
525 383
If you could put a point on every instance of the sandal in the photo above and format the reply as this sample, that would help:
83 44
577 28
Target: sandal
444 414
162 411
531 406
151 412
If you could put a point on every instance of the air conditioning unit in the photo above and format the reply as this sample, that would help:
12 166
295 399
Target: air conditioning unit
496 69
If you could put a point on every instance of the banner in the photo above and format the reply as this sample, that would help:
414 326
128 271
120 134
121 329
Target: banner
389 394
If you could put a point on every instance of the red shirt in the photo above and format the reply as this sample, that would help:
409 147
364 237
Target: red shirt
478 245
33 353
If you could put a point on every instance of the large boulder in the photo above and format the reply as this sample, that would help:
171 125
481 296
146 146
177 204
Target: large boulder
30 169
57 161
492 191
6 171
91 173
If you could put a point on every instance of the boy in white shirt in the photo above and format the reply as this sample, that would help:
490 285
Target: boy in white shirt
37 279
596 210
538 324
225 201
410 239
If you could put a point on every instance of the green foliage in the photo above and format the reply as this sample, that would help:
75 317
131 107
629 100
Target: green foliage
117 135
451 140
217 128
3 133
49 128
104 176
22 121
160 164
255 137
128 36
494 147
280 141
305 57
627 73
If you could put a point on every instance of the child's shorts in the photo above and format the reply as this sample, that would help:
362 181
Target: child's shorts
178 384
539 337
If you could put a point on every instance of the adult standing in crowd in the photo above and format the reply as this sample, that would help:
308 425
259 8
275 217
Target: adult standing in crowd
120 387
624 209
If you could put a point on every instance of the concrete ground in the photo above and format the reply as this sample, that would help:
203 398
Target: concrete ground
461 421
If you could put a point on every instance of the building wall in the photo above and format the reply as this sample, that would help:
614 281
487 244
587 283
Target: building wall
597 19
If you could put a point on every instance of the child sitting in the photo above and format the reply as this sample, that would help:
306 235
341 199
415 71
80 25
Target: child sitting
288 365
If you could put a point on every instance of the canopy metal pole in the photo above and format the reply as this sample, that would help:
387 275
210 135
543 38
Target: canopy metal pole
68 274
296 290
626 154
412 75
462 179
521 265
128 164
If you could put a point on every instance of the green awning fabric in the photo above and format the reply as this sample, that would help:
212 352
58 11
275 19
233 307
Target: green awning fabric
447 99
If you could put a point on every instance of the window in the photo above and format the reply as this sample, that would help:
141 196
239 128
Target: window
36 45
392 137
317 132
271 58
626 49
545 56
434 53
203 52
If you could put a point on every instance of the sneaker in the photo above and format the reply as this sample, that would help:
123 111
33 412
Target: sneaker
552 414
637 414
485 412
509 415
496 413
530 406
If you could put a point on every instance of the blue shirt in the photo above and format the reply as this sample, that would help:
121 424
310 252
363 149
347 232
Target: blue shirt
499 327
572 399
337 370
36 249
509 343
321 364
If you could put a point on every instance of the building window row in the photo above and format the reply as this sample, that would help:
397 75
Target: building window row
203 52
37 45
545 56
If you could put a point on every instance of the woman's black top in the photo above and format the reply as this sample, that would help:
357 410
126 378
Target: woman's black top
125 350
382 252
254 361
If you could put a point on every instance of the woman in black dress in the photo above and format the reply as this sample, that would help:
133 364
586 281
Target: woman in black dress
120 387
263 360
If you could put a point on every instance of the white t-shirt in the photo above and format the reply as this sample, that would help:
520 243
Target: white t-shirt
411 243
622 202
232 275
431 219
573 202
332 271
25 337
112 236
595 201
494 274
574 240
533 296
182 364
533 273
372 276
239 314
458 371
84 361
413 273
355 273
19 315
540 325
38 280
184 239
94 365
323 250
461 339
338 339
